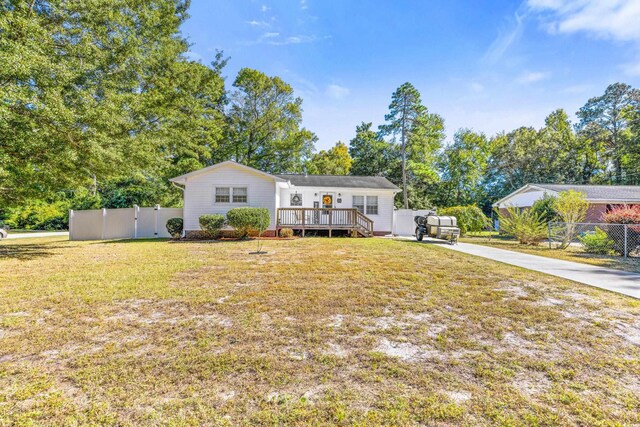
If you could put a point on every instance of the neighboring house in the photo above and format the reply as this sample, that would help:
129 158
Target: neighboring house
601 198
304 202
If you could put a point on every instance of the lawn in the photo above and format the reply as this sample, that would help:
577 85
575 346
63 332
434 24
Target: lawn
316 332
575 254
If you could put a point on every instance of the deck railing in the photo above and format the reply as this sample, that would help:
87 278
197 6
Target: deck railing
324 219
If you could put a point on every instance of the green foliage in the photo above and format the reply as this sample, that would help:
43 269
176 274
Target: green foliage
609 116
571 207
79 84
373 156
470 218
247 221
39 216
175 227
137 190
335 161
545 208
524 225
462 166
212 224
598 242
420 135
286 233
264 124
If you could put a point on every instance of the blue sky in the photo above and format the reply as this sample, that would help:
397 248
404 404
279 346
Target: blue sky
485 65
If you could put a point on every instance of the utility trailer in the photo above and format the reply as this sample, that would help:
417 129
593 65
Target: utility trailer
439 227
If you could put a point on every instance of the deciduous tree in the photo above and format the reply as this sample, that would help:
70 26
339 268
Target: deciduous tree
335 161
611 112
265 124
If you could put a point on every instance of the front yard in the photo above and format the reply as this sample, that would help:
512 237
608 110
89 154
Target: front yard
317 331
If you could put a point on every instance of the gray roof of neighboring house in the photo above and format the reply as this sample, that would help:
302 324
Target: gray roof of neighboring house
343 181
623 193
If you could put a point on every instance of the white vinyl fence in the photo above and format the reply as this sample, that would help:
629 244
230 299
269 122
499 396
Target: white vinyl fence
403 224
127 223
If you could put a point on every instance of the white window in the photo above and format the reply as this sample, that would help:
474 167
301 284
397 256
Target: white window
239 194
358 203
222 195
296 200
372 205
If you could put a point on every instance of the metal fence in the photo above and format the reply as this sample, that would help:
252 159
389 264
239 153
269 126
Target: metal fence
127 223
596 238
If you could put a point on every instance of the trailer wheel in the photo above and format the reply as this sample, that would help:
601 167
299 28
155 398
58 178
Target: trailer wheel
419 235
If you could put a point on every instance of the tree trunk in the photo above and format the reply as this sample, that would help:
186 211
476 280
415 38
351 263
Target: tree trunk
405 196
617 164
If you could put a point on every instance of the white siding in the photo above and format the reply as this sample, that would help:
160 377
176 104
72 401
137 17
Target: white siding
524 200
381 222
199 193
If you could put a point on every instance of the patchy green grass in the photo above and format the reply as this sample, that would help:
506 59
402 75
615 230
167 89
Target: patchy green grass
570 254
315 332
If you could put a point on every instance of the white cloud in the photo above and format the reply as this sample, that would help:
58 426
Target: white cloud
255 23
264 8
270 35
506 37
606 19
337 92
532 77
303 4
299 39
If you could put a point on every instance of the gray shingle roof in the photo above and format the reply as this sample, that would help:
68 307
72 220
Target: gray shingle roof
622 193
343 181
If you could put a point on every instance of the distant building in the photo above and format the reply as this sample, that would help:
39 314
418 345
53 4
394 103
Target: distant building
601 198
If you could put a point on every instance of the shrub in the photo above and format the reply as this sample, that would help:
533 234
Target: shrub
212 224
174 227
248 221
470 218
545 208
525 225
286 232
39 216
624 215
571 207
597 242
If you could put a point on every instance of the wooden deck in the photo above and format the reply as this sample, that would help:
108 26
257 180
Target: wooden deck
324 219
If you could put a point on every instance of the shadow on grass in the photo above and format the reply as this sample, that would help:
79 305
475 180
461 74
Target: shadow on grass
26 252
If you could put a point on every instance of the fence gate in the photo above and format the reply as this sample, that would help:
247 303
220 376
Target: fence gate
127 223
403 224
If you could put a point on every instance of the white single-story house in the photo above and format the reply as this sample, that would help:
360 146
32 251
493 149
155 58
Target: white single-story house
601 198
304 202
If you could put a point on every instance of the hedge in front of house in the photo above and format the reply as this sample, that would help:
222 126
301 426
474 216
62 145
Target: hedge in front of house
470 218
212 224
248 221
174 227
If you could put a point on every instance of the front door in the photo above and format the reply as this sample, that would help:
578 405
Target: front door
326 200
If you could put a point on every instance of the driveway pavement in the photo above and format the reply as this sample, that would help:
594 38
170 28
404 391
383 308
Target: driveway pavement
37 234
622 282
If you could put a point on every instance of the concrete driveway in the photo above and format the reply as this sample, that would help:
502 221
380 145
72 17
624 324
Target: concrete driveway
619 281
37 234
